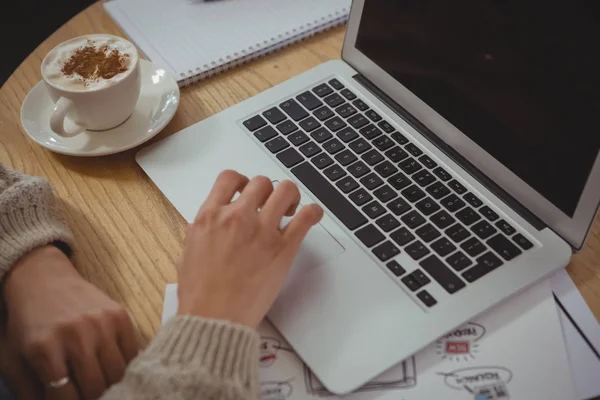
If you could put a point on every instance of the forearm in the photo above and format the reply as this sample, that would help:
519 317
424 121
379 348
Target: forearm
194 358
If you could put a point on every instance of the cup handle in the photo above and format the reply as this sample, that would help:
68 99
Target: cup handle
57 119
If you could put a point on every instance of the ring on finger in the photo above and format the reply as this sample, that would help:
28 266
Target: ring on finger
58 383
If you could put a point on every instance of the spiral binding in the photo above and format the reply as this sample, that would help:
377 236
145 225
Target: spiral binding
295 35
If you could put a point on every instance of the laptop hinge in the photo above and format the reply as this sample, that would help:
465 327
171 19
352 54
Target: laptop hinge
453 154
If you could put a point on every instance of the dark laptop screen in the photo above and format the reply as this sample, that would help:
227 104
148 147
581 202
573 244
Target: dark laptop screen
521 78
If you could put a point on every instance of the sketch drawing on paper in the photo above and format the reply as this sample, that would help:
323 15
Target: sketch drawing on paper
490 383
276 390
461 344
269 347
403 376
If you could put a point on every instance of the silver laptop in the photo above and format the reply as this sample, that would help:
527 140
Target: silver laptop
455 151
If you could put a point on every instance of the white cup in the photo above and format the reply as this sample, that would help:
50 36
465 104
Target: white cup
96 108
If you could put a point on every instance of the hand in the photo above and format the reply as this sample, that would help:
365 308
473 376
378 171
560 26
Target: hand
235 258
16 375
66 327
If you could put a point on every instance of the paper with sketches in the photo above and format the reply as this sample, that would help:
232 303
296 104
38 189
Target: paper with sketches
515 351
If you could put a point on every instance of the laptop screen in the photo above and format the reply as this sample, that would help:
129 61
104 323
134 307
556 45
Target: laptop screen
521 78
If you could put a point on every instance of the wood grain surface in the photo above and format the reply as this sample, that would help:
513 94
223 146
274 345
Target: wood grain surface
129 236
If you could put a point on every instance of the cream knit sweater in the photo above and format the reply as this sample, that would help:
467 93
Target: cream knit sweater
190 357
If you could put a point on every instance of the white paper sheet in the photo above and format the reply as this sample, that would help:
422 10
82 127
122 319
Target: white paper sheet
515 351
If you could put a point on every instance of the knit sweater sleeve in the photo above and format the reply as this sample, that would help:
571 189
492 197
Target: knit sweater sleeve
29 218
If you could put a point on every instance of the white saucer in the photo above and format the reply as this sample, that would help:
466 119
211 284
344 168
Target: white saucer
156 107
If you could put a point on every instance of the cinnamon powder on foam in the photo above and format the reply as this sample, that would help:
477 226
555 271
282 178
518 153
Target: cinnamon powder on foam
94 63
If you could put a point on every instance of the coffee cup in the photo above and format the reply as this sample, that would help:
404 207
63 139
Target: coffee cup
94 81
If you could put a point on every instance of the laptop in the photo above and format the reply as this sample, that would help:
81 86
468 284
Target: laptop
455 152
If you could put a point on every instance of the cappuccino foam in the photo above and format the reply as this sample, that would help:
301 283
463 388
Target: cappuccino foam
55 61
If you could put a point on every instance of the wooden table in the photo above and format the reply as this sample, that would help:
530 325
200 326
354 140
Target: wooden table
129 236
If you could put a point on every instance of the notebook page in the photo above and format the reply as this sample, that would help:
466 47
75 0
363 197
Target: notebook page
188 37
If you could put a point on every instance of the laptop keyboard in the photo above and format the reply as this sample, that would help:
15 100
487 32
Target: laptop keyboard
383 188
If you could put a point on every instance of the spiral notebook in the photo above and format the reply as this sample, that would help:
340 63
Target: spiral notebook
195 39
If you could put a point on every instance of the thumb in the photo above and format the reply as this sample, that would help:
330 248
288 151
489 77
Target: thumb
298 228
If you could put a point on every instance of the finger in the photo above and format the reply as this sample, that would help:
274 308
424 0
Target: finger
256 192
50 365
227 184
126 339
298 228
21 381
113 363
283 201
87 372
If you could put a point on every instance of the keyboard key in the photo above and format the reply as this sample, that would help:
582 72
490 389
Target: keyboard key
504 247
427 161
373 209
442 219
426 298
277 144
346 157
442 274
346 110
323 113
413 193
336 84
387 223
485 264
385 251
383 143
266 133
293 109
348 94
321 135
369 235
358 169
420 277
371 181
459 261
334 100
309 124
360 197
333 200
488 213
413 219
360 146
274 115
399 206
334 172
358 103
423 178
335 124
413 149
457 233
402 236
483 229
473 247
255 123
385 193
438 190
347 184
457 186
399 181
322 90
308 100
286 127
417 250
290 157
473 200
505 227
372 157
410 166
427 206
395 268
358 121
322 160
398 137
522 241
310 149
411 283
387 128
373 116
442 174
468 216
452 203
428 233
396 154
386 169
443 247
347 134
333 146
370 131
298 138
